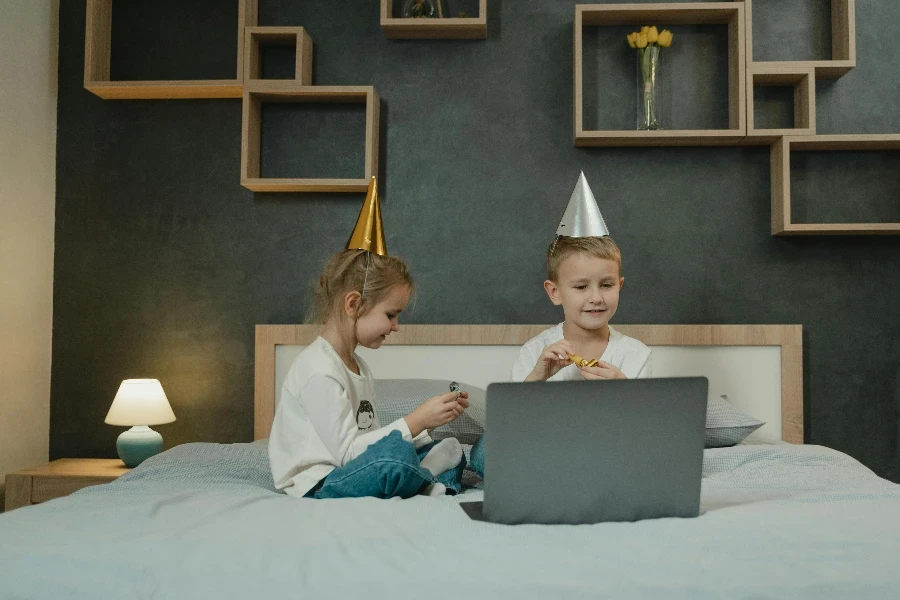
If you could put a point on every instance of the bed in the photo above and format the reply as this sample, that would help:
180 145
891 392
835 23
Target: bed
779 519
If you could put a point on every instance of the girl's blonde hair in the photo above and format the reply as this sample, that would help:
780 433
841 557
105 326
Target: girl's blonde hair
564 247
346 272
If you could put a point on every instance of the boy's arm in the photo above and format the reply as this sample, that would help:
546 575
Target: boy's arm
524 364
646 370
540 364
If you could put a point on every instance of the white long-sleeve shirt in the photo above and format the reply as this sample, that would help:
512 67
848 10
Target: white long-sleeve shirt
628 354
325 418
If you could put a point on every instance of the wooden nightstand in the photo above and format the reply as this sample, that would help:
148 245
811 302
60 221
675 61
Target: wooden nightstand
59 478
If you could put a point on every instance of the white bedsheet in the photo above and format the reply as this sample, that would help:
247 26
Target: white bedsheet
777 522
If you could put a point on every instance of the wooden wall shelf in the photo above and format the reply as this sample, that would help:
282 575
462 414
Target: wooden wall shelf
259 37
781 182
434 29
843 42
259 92
803 80
166 90
97 50
725 13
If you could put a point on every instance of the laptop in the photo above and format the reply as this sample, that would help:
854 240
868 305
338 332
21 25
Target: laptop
578 452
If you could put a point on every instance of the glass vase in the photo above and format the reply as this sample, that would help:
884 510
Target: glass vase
648 88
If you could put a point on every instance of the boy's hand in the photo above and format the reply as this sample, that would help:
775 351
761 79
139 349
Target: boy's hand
603 370
437 411
552 360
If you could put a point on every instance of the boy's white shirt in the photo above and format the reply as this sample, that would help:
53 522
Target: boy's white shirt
628 354
317 423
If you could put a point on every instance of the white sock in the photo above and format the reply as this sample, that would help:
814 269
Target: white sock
444 456
435 489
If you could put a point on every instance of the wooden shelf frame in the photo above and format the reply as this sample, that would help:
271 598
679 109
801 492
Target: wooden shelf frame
256 38
97 55
259 92
781 182
471 28
843 43
730 14
803 80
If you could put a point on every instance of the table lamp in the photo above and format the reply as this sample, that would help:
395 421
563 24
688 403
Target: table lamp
139 403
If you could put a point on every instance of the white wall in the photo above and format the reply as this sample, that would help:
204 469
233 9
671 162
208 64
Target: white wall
28 52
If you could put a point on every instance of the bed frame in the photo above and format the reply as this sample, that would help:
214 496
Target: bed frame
759 367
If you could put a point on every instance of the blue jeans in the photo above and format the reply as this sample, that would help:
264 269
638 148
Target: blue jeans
476 456
388 468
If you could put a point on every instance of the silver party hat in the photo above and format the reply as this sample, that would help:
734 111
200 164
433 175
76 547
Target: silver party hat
582 217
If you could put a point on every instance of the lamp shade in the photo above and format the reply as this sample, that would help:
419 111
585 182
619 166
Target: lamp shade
140 402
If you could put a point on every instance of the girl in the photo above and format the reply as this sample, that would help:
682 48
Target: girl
326 441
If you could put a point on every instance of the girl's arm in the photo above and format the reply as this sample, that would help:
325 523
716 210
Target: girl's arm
331 413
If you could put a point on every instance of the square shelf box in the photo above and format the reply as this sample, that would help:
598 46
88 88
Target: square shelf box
257 38
473 28
781 152
802 79
259 92
730 14
97 60
843 42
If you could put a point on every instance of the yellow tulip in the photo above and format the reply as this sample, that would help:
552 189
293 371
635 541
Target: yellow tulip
665 38
645 29
652 34
631 37
641 41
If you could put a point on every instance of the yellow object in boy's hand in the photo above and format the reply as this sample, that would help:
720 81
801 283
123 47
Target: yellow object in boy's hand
582 362
602 370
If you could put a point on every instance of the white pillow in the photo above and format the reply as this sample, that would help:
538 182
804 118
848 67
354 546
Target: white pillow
726 425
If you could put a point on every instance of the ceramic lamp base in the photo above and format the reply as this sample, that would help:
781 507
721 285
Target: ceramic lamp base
138 444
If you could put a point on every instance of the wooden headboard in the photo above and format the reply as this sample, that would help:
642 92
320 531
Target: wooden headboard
786 338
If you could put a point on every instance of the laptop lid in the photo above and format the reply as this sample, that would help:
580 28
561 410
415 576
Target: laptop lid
578 452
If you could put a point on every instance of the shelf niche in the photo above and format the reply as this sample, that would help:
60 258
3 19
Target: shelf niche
97 60
730 14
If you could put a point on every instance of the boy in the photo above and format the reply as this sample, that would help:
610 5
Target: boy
584 277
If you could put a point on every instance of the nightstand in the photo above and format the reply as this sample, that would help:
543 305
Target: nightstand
59 478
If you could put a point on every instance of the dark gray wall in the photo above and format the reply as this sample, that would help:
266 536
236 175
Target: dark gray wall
164 264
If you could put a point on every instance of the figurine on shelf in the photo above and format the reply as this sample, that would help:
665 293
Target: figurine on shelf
423 9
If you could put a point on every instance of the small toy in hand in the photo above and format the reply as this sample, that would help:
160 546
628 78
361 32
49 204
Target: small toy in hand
583 362
454 387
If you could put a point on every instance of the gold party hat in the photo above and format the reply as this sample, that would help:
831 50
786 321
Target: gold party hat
368 233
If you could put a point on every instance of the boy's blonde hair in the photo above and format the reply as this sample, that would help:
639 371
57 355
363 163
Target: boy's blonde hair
564 247
346 272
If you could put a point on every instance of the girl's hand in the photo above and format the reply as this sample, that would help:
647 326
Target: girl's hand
463 403
603 370
552 360
437 411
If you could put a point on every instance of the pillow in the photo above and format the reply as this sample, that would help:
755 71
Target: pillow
396 398
208 465
726 425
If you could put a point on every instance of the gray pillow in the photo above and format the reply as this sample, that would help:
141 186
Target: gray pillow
396 398
726 425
